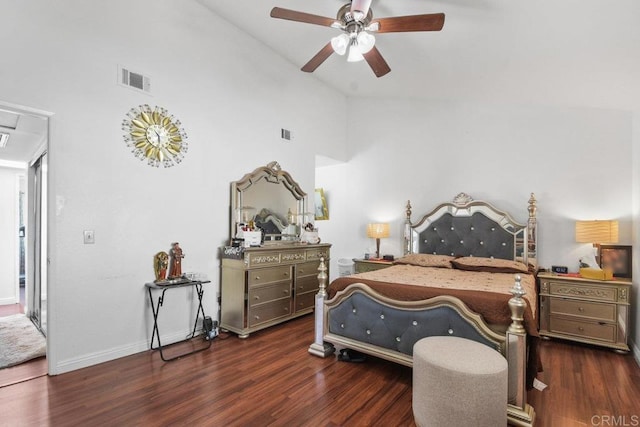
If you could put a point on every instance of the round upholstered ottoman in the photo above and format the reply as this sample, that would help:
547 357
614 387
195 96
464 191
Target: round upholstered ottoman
458 382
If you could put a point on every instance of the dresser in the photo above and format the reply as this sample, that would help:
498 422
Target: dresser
585 310
264 286
364 265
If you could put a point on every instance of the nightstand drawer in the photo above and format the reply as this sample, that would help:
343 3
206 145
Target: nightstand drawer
363 266
591 310
601 293
603 332
267 275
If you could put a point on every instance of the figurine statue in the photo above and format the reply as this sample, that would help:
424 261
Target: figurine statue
176 261
160 264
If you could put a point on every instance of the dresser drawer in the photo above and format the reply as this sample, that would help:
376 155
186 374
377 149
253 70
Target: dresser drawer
601 293
293 256
603 332
263 294
305 301
307 284
586 309
308 269
269 311
315 254
268 275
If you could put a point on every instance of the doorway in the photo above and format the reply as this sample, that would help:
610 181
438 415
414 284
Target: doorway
23 177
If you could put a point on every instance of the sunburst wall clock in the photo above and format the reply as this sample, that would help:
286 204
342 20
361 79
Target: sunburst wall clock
155 135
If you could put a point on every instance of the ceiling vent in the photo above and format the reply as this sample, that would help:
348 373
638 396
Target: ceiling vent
4 138
133 80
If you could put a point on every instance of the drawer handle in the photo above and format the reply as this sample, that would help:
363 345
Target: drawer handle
257 317
257 277
581 309
286 274
580 328
285 291
257 297
286 309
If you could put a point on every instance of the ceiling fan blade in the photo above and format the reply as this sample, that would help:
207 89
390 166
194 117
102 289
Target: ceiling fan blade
376 62
292 15
318 59
397 24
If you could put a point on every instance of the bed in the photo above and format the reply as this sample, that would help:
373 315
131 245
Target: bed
468 271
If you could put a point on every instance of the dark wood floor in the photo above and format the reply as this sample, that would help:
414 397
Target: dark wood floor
270 379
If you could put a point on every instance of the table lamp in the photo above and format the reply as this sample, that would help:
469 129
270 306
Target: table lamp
597 232
378 231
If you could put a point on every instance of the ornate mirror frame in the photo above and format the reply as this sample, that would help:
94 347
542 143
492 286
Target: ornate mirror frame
268 180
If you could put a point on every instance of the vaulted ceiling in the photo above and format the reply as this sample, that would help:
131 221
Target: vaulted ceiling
567 52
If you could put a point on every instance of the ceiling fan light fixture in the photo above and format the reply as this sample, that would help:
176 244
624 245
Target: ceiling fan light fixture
366 42
340 44
354 52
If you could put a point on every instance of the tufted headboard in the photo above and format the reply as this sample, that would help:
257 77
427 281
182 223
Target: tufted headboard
467 227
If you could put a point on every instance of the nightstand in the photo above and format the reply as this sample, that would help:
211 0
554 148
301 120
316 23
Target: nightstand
364 265
585 310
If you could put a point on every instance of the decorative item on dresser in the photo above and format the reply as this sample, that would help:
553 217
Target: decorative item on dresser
364 265
273 279
431 291
585 310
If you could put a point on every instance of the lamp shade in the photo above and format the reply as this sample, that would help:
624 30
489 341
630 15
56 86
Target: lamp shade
378 231
597 231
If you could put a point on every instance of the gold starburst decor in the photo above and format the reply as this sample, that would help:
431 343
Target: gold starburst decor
155 135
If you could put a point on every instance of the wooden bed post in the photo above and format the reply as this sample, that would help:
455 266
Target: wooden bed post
519 412
319 347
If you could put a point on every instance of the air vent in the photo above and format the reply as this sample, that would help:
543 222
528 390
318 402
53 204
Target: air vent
134 80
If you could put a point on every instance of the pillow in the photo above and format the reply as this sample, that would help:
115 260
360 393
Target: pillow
426 260
491 265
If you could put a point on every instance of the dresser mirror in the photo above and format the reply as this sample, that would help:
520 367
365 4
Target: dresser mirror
265 207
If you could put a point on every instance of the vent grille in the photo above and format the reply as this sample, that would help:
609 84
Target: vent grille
134 80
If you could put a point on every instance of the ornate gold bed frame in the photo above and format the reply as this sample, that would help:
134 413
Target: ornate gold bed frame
513 344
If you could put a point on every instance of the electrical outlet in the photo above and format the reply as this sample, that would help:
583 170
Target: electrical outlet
89 237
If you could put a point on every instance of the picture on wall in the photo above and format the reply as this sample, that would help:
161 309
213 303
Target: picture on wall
617 258
321 209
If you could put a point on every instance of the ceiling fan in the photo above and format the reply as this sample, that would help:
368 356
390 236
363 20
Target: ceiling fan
355 19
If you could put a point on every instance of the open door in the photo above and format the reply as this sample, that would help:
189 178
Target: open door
37 301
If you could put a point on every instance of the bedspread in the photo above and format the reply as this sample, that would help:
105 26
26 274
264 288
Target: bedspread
485 293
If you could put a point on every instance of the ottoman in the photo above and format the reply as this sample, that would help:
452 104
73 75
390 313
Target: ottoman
458 382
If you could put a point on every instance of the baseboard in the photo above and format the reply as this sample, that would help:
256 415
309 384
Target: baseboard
91 359
8 301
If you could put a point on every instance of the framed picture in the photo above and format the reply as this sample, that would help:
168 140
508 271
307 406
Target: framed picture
617 258
321 209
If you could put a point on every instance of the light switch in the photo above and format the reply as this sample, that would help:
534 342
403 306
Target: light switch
89 237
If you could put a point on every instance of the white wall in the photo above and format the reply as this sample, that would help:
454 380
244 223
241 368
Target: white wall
577 161
232 95
9 224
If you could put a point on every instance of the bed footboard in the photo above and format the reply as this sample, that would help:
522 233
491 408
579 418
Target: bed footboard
363 320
